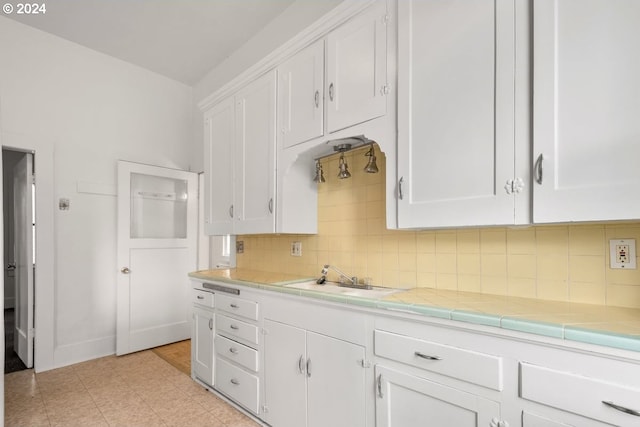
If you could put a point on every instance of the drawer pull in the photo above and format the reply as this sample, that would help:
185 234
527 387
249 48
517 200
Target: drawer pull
234 327
235 381
380 395
621 408
234 306
426 356
200 297
233 350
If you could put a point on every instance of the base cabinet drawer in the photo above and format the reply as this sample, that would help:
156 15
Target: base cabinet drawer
202 298
237 353
589 397
235 328
238 384
237 306
470 366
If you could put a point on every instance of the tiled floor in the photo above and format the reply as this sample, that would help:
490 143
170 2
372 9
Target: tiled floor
139 389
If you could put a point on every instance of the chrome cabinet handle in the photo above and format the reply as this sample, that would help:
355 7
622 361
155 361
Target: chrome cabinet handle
426 356
380 395
234 327
400 195
200 297
233 305
271 205
308 367
231 211
125 270
538 169
211 324
621 408
301 364
235 381
316 97
233 350
331 91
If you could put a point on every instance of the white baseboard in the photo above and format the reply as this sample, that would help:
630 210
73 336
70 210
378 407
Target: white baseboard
69 354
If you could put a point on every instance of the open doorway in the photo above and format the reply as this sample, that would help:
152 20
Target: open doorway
19 257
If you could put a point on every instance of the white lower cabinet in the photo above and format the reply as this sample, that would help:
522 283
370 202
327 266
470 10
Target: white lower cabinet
202 336
312 380
203 332
406 400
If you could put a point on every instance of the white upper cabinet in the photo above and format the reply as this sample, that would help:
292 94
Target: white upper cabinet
219 133
586 131
301 96
240 160
356 84
456 144
255 156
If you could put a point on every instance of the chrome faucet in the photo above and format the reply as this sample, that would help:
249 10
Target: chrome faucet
345 280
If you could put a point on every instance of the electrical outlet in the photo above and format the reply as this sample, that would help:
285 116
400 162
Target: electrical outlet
296 248
239 247
623 253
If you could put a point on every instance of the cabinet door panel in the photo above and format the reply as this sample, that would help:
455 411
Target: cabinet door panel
255 156
409 401
218 167
202 333
301 96
455 112
285 375
336 383
357 69
586 109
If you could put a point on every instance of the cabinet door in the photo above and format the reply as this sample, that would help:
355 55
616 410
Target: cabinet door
255 156
301 96
408 401
335 383
202 332
586 110
357 69
285 375
219 134
455 112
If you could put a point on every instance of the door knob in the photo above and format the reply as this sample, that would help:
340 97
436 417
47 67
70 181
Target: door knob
124 270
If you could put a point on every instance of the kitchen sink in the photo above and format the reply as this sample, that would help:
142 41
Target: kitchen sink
335 288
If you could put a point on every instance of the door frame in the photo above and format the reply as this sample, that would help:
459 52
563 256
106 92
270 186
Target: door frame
44 286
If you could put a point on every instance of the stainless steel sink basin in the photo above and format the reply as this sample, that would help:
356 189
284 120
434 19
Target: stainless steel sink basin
334 288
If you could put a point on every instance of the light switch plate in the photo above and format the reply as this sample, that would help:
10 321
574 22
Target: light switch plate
296 248
622 253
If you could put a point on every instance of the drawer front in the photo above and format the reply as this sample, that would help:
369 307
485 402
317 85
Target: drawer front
465 365
580 395
237 306
236 329
236 352
202 298
239 385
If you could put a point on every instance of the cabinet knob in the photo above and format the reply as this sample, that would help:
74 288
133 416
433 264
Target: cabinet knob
124 270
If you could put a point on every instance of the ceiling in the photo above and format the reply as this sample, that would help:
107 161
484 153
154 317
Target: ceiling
180 39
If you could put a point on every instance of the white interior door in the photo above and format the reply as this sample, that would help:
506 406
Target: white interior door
157 239
23 253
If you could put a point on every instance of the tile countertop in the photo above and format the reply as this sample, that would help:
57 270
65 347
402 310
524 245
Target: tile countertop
615 327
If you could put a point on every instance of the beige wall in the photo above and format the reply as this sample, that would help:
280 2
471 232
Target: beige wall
559 262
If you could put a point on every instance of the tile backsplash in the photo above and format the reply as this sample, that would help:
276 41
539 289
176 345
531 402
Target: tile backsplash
555 262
